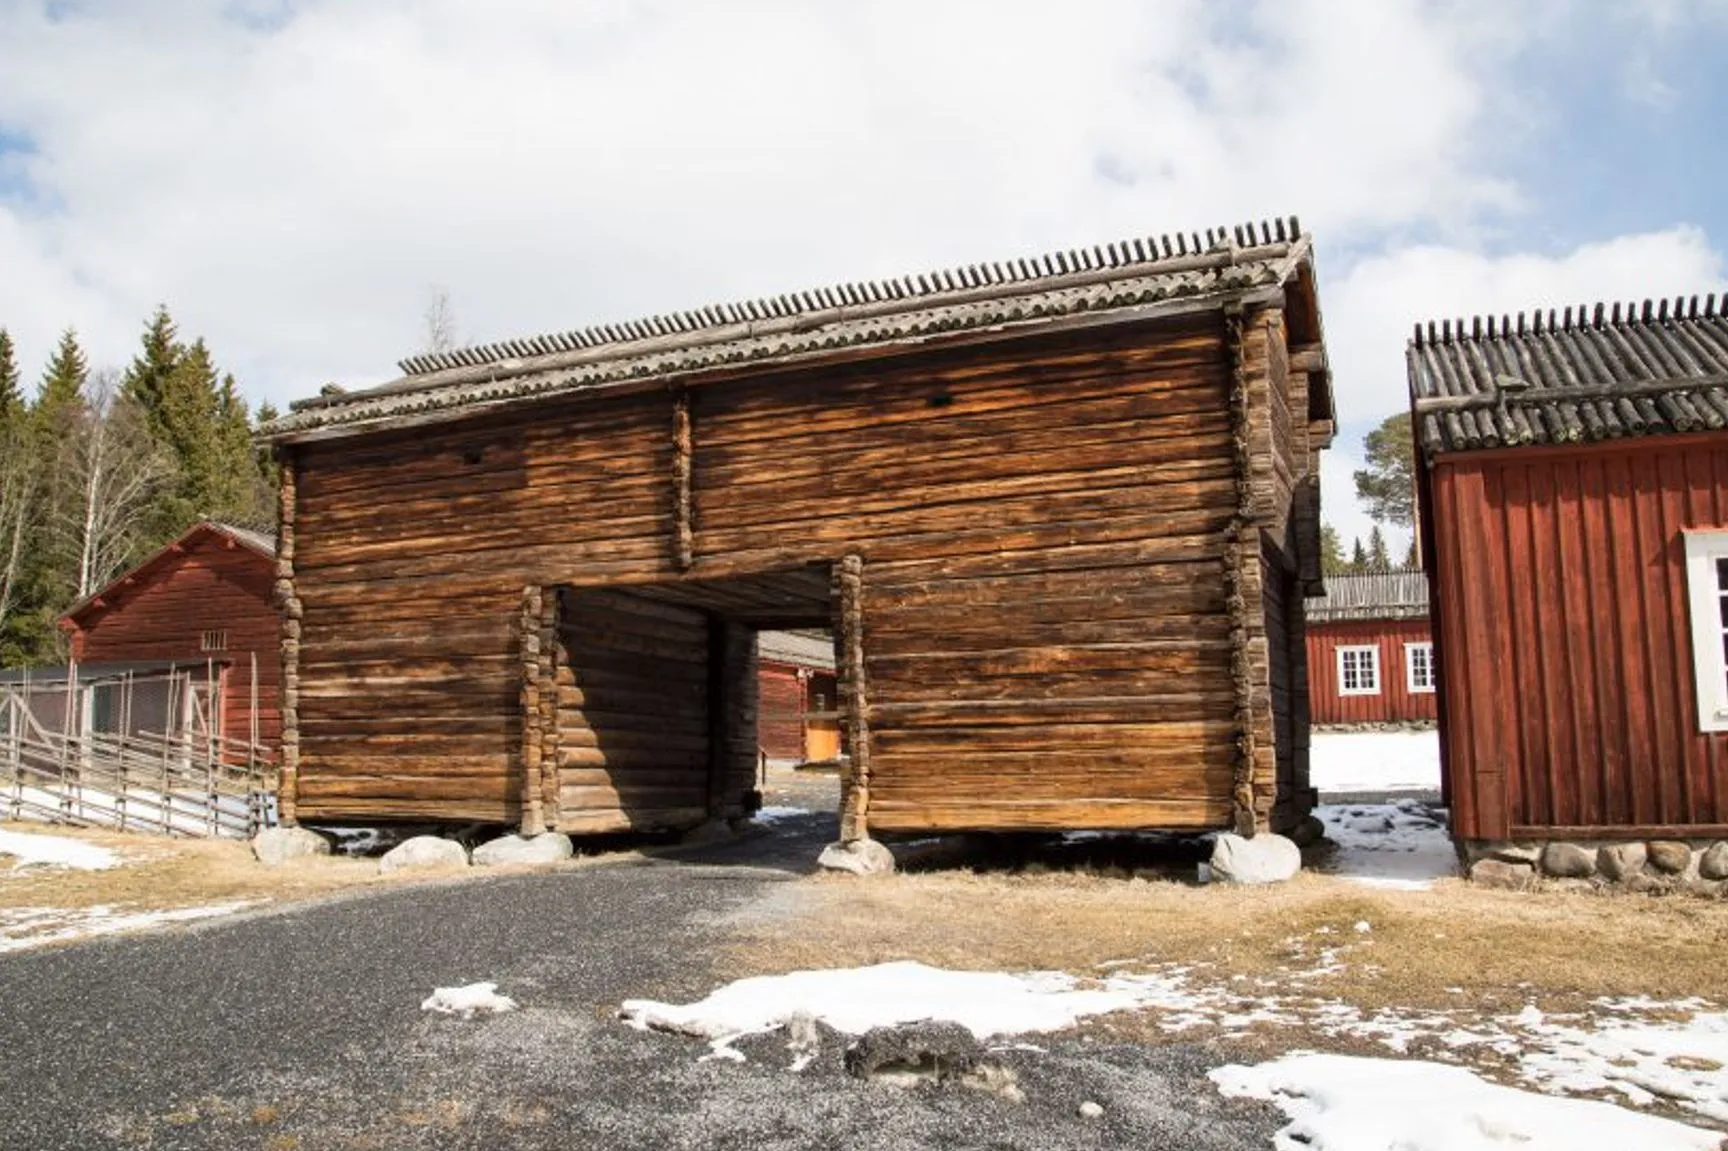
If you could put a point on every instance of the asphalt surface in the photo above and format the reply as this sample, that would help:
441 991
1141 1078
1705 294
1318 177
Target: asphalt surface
302 1029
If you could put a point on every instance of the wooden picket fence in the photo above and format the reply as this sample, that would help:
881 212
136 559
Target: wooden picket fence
182 783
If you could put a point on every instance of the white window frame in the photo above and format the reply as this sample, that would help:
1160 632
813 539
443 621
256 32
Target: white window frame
1410 650
1705 594
1372 651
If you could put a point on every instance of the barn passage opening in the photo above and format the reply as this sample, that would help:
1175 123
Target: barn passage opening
656 704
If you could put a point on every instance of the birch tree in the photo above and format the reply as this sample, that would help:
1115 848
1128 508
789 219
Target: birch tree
119 469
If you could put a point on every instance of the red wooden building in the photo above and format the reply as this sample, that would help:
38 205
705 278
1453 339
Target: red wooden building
1573 480
1370 651
199 609
797 710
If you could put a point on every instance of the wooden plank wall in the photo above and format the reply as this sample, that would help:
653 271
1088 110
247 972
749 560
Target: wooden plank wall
1396 703
1564 639
208 588
1042 525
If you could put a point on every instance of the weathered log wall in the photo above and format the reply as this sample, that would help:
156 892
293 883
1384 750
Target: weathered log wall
633 713
1045 631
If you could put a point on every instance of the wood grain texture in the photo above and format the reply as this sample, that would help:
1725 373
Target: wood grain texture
1044 634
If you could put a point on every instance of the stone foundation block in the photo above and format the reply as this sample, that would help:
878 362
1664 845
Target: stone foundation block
1568 861
1669 857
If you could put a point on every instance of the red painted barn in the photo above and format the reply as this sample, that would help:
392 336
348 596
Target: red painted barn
797 710
202 603
1370 651
1574 484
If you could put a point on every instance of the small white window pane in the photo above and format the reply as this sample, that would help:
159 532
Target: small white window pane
1359 670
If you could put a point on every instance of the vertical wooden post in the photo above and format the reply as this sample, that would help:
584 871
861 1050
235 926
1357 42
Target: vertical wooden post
849 632
528 648
549 738
288 602
684 543
1239 553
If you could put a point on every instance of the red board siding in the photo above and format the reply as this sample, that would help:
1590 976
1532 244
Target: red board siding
1565 649
210 587
780 711
1395 703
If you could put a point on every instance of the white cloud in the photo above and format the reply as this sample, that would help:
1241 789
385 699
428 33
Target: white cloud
291 187
293 179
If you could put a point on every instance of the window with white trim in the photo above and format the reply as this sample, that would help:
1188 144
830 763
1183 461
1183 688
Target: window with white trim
1359 670
1707 591
1419 668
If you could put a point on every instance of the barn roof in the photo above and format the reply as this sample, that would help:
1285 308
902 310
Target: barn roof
802 648
1581 375
129 581
1123 281
1379 595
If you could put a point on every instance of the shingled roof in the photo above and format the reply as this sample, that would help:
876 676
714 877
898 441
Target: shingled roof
1377 595
1127 280
1577 376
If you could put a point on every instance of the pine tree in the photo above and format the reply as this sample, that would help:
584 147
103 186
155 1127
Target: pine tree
19 478
1358 558
1378 559
1331 551
146 381
1413 557
47 569
12 403
1387 486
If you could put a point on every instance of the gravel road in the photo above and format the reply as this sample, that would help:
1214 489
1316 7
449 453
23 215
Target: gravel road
301 1029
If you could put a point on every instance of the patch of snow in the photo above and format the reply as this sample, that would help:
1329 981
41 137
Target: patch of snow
468 1000
1375 761
854 1000
1347 1103
55 851
772 814
26 927
1401 845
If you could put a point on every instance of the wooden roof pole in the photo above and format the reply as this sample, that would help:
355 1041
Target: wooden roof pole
288 785
854 699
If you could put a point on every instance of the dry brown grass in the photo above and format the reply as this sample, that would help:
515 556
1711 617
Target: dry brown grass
1452 946
162 874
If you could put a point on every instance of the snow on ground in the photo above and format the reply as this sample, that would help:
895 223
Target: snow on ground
1375 761
1343 1103
772 814
468 1000
854 1000
1403 845
22 928
1639 1051
55 851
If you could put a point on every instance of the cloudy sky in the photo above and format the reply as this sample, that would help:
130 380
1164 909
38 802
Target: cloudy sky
293 178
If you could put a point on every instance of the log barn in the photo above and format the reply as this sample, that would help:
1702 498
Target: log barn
1573 485
1370 650
193 629
1059 514
797 714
